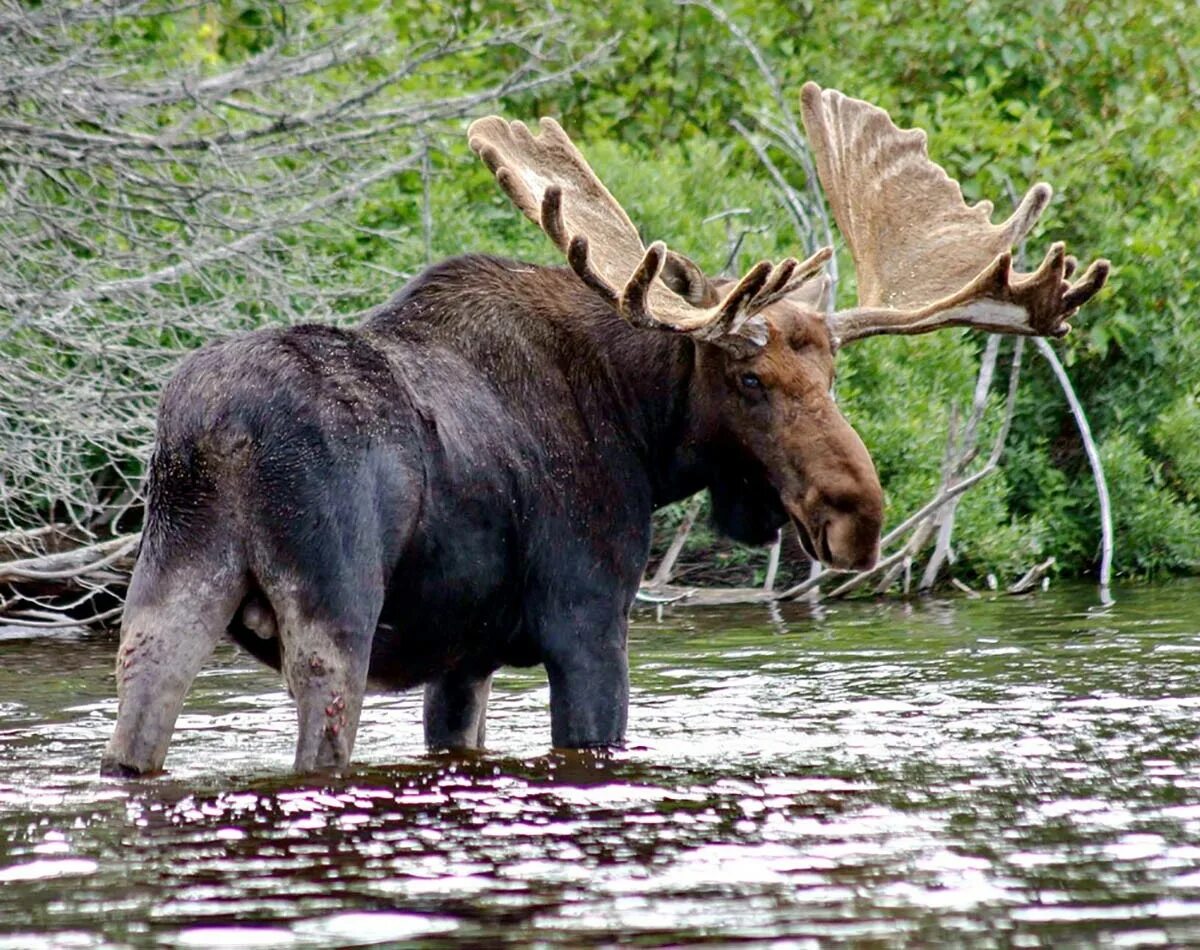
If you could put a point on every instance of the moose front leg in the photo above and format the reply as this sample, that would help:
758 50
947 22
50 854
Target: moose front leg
456 710
588 668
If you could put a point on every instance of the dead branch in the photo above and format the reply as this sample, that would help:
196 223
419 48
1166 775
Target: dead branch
705 596
72 564
961 450
662 576
782 126
1031 578
773 561
146 208
1093 457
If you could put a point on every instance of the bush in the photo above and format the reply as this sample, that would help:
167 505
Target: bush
1099 100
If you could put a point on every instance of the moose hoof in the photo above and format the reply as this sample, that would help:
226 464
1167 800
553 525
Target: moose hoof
114 768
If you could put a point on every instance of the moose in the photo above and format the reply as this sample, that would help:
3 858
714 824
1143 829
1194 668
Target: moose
466 479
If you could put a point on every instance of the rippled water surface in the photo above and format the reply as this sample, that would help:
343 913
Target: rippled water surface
1008 772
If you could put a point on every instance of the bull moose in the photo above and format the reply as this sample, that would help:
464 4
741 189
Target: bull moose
466 479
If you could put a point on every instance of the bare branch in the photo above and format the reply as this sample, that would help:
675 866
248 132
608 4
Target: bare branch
1093 457
145 209
662 576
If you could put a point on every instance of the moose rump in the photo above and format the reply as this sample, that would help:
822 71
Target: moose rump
277 455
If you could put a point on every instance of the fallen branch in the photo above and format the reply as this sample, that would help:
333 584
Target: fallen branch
84 586
1032 577
705 596
69 565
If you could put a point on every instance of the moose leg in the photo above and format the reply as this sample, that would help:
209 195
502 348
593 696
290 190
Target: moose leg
455 711
588 668
325 664
173 618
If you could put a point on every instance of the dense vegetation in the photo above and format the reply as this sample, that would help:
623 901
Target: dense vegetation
1099 99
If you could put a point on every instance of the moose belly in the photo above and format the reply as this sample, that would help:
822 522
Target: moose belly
453 604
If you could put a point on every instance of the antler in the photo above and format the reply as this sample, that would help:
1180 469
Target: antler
550 181
924 258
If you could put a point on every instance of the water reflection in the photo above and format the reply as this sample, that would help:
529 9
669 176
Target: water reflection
1010 772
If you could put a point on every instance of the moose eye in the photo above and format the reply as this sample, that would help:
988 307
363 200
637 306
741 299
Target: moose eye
751 381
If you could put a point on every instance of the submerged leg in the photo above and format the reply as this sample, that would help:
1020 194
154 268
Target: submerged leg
455 711
173 619
583 648
325 666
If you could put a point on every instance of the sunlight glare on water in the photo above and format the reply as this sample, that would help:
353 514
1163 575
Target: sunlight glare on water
1008 772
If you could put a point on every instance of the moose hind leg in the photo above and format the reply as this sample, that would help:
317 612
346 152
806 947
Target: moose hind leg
325 661
172 621
456 710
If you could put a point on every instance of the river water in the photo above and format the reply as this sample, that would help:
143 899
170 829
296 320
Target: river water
998 772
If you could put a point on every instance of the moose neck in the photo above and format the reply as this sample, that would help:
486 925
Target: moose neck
658 392
675 388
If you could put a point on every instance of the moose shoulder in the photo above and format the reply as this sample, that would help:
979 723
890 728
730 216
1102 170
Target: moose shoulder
466 480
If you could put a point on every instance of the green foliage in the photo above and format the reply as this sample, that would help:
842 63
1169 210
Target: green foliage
1099 99
1177 435
1155 530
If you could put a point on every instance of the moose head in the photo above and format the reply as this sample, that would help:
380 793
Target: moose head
766 344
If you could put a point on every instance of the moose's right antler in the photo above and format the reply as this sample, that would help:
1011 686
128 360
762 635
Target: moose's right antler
553 185
923 257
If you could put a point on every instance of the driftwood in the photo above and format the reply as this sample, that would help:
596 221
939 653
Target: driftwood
671 595
80 586
1032 577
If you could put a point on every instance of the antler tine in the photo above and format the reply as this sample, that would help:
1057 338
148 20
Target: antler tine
552 184
1088 285
796 276
736 307
636 294
552 218
924 258
998 300
1021 221
577 249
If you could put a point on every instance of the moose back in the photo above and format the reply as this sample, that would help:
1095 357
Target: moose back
467 479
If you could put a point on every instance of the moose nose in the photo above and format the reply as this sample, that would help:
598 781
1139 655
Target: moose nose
850 540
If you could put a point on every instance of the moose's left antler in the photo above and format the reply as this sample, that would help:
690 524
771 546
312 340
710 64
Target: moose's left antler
553 185
925 259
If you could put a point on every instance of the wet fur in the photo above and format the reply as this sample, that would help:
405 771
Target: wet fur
473 469
507 416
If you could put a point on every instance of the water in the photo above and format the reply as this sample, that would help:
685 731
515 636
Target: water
1009 772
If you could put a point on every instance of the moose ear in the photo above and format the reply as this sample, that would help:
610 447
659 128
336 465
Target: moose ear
813 294
687 280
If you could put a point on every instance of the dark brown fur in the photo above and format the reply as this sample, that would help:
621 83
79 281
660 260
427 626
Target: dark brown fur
463 482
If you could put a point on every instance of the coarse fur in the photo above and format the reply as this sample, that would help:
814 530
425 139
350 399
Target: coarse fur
464 481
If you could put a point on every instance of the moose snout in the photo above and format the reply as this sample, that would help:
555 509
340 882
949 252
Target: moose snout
842 521
851 540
